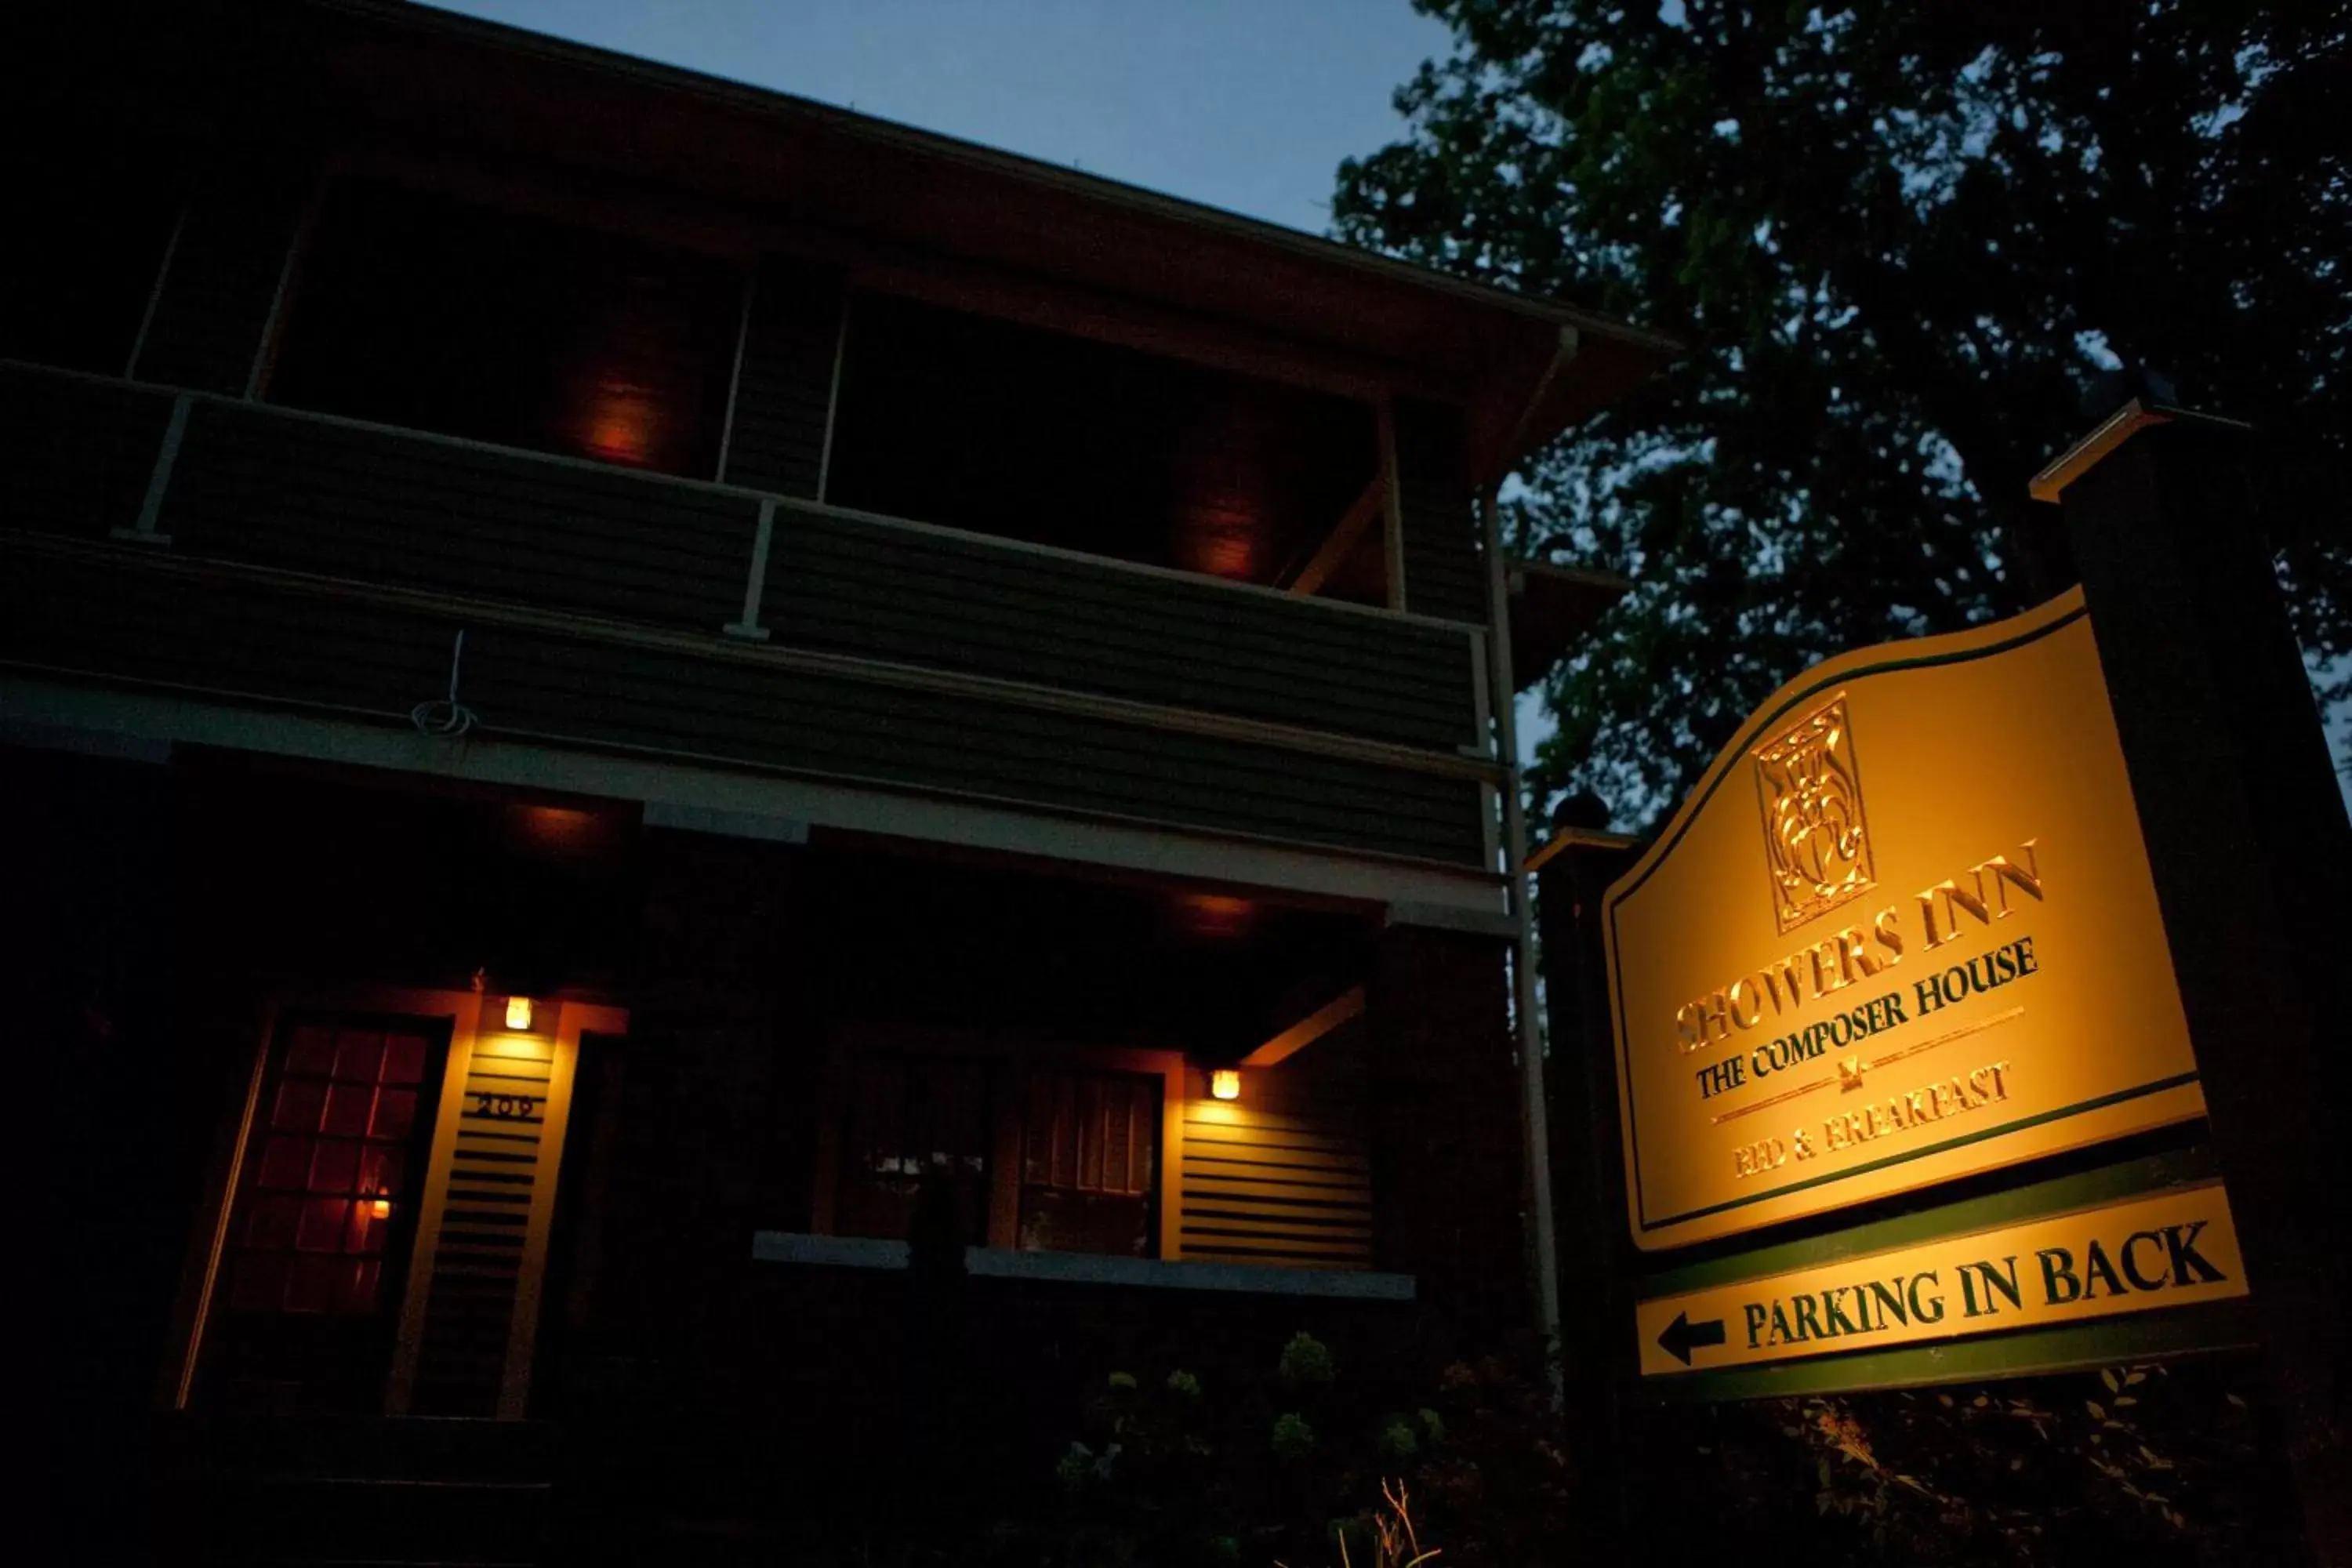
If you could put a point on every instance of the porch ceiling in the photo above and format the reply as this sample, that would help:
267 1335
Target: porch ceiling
916 940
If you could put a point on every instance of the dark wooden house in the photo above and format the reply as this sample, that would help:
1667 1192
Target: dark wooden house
618 691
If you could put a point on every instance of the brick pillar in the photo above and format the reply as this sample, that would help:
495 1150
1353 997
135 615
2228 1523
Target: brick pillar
1448 1163
713 1116
717 1102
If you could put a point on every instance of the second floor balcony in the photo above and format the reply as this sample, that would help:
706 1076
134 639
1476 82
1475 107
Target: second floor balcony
735 433
215 545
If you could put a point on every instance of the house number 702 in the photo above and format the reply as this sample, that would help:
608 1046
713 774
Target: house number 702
505 1106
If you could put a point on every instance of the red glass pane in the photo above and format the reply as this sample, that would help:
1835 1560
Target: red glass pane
381 1169
358 1286
312 1051
321 1229
285 1162
358 1056
403 1058
347 1109
335 1167
272 1222
310 1282
371 1217
260 1282
396 1112
300 1101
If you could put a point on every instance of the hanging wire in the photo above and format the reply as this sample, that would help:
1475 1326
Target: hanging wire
449 717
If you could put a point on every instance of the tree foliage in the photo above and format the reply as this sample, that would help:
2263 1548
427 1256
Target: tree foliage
1900 238
2147 1464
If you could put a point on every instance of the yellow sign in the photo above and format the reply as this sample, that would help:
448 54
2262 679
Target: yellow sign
1902 932
2154 1252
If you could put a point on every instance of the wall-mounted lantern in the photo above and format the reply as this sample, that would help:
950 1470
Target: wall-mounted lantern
1225 1083
518 1012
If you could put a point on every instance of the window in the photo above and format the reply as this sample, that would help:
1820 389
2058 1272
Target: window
1089 1164
91 222
909 1114
420 311
955 419
1087 1175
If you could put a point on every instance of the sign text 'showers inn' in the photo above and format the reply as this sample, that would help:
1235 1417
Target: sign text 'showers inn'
1902 932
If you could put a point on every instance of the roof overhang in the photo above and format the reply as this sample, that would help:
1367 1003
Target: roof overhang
430 77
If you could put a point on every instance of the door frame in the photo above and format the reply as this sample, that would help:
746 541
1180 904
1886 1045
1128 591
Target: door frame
479 1034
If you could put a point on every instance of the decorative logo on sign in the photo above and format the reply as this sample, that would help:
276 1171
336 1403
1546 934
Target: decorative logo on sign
1814 836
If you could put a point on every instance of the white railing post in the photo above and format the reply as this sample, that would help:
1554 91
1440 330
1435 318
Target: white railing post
159 479
756 583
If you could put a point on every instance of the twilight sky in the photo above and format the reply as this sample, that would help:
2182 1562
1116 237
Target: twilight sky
1244 104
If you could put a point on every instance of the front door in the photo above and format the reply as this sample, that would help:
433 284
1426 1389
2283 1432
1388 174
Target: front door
324 1217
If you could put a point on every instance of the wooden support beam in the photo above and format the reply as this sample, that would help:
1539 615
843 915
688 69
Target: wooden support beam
1307 1030
1333 552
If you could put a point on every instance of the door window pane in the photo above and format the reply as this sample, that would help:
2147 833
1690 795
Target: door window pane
334 1167
323 1225
380 1170
286 1162
347 1109
358 1056
395 1113
1090 1156
311 1053
403 1058
271 1226
371 1217
299 1102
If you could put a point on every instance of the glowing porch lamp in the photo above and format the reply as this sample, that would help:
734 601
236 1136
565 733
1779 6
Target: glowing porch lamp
1225 1083
518 1012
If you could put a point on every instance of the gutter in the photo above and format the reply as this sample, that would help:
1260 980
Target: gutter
1535 1114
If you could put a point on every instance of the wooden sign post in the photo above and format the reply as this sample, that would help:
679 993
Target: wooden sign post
2252 860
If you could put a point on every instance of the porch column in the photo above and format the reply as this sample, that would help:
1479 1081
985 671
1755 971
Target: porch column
716 1111
1446 1151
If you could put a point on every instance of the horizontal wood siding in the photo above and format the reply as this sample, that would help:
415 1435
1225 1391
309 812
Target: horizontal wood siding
854 730
78 453
783 394
343 501
224 272
1445 568
925 596
1283 1175
118 618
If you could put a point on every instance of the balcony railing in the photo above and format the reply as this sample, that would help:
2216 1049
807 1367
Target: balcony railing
610 606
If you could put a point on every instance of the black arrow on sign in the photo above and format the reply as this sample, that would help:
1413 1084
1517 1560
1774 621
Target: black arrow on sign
1682 1336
